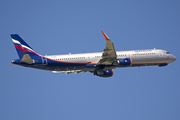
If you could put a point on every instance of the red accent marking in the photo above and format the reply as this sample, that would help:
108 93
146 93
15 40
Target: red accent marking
106 37
18 47
24 50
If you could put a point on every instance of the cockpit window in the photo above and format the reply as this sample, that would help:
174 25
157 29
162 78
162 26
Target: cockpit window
167 52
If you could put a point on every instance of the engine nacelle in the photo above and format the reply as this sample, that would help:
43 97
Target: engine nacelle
125 62
104 73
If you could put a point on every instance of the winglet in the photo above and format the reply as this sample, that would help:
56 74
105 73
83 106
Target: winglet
106 37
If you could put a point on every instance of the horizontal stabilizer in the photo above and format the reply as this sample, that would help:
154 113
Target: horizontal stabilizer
27 59
10 65
77 72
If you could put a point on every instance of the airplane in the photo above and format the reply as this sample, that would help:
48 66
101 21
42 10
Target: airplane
100 63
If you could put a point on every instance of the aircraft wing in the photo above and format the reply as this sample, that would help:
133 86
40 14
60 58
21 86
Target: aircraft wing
69 72
109 52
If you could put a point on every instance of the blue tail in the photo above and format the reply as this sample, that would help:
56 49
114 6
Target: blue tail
22 47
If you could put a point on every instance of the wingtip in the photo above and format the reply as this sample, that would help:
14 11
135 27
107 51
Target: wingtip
105 36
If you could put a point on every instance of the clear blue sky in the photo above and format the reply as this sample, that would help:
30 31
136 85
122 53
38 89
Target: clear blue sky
60 27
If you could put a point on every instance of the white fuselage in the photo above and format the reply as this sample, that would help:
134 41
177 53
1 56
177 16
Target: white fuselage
99 63
145 57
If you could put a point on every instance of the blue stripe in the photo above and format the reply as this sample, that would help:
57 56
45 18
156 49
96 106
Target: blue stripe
17 44
18 38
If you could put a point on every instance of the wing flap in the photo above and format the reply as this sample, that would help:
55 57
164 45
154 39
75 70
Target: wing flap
70 71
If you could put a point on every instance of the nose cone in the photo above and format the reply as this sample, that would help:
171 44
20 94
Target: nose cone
173 58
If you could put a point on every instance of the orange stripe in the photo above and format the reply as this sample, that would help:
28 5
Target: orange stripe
130 61
112 72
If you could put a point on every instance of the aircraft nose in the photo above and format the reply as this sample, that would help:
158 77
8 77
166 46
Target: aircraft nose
173 58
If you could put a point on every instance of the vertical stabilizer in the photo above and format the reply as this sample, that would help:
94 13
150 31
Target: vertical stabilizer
22 47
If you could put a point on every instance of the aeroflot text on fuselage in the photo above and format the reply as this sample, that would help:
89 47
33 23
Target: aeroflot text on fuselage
100 64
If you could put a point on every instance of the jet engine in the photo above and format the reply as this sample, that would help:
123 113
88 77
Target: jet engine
125 62
104 73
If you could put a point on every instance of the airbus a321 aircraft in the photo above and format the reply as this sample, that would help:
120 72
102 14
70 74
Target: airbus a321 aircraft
99 63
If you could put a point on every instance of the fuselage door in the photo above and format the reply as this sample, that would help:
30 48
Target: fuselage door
160 54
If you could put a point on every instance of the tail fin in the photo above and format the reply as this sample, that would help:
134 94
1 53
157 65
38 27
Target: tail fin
22 47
